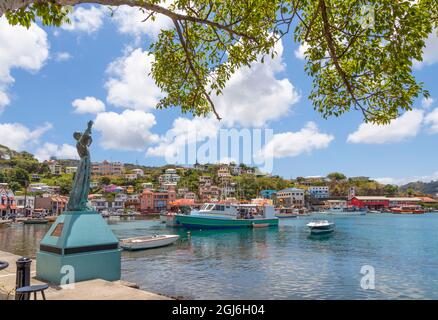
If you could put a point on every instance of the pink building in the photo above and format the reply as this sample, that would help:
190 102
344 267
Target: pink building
155 202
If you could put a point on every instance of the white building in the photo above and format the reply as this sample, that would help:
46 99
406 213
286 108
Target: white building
71 169
25 202
99 203
223 171
147 185
319 192
38 187
131 176
228 190
139 172
290 197
169 177
55 168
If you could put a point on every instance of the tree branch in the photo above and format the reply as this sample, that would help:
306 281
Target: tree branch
7 5
192 67
333 55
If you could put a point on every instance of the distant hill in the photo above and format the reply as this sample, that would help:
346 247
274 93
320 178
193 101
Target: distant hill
422 187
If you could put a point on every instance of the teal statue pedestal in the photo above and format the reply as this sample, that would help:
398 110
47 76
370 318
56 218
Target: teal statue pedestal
79 246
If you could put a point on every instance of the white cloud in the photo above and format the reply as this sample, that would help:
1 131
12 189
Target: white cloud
430 55
130 85
23 48
405 180
432 120
292 144
88 105
87 20
426 103
129 20
406 126
62 56
129 130
184 131
48 150
254 96
16 136
300 53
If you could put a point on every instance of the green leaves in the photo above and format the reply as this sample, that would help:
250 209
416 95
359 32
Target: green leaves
50 13
359 55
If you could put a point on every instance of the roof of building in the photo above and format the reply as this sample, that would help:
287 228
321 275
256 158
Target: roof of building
382 198
377 198
427 199
404 199
291 189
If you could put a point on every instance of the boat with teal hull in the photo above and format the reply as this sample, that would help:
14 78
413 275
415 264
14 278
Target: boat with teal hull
215 216
192 221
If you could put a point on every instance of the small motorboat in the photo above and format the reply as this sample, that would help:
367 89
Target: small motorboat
287 213
5 222
408 210
36 221
321 226
148 242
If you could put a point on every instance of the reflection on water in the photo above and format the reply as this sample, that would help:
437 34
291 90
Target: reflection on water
276 263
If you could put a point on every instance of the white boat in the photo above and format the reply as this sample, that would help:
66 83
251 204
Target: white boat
321 226
287 213
5 222
341 211
105 213
148 242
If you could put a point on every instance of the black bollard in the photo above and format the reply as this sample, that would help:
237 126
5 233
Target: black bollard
23 276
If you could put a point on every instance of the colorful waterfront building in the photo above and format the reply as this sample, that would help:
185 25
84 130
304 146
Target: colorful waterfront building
319 192
290 197
268 193
381 202
54 204
7 201
156 201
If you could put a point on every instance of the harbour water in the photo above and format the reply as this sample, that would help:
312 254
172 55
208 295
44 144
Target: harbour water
276 263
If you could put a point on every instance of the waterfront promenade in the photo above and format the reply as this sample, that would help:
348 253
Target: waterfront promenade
86 290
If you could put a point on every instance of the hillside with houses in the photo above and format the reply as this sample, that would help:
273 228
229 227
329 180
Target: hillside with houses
115 186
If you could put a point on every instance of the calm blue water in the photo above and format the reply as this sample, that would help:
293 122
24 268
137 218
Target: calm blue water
278 263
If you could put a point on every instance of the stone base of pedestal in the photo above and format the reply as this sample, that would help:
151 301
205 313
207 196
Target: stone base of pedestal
79 246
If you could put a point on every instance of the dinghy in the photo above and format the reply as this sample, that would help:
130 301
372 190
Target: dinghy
148 242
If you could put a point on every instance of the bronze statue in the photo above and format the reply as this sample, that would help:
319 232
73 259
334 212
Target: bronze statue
81 185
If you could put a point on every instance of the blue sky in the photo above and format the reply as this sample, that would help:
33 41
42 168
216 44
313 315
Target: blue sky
53 80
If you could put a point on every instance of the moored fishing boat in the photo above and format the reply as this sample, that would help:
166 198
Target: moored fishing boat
408 210
340 211
5 222
148 242
215 215
36 221
321 227
287 213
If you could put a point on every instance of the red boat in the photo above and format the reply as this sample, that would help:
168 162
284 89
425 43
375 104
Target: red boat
409 209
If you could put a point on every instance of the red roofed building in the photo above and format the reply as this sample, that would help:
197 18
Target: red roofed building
7 201
381 202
